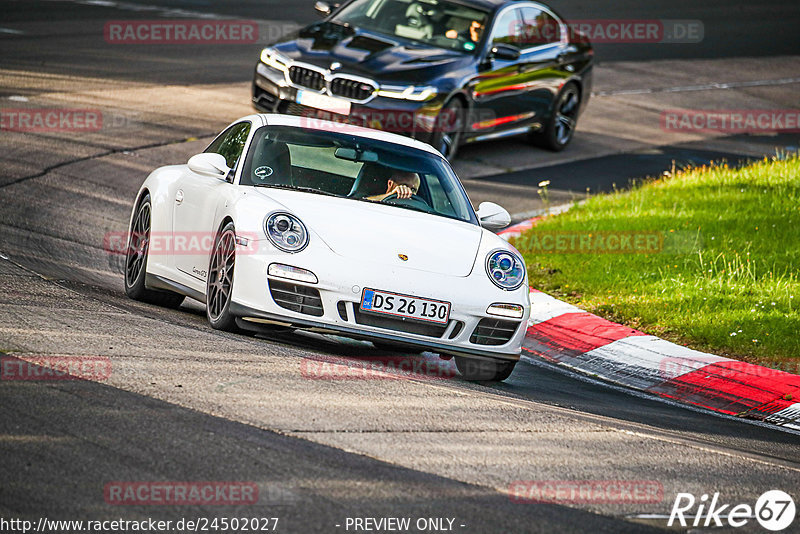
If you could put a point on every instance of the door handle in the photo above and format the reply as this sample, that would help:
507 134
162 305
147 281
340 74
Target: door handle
179 196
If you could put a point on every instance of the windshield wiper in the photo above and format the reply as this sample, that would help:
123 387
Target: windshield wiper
298 188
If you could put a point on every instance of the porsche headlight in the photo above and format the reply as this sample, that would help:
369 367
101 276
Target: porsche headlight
286 232
506 270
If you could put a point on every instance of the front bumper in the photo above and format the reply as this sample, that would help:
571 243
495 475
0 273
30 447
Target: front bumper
339 291
271 94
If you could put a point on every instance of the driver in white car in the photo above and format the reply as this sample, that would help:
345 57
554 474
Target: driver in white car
402 183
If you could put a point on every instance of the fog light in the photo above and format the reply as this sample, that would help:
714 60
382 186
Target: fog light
279 270
514 311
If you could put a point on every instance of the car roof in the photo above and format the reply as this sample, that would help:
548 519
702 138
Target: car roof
323 125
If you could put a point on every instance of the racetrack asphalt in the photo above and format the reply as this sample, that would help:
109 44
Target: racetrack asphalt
185 402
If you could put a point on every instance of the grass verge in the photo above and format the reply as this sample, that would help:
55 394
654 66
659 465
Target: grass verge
706 257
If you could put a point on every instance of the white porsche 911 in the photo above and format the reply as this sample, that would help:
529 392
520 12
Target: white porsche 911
341 230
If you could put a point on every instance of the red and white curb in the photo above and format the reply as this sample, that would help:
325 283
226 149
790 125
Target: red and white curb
568 336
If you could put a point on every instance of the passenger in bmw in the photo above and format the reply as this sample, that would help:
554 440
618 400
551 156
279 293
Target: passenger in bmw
402 183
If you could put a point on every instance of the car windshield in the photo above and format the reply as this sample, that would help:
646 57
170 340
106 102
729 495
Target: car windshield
433 22
350 166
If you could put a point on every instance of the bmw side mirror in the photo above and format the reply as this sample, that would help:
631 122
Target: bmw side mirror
505 52
209 164
493 216
324 8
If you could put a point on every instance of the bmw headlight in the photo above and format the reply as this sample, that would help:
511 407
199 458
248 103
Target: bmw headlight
270 57
286 232
410 92
506 270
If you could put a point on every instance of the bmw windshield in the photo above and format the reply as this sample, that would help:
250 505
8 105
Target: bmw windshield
349 166
432 22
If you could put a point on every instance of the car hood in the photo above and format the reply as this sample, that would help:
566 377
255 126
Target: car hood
369 54
368 232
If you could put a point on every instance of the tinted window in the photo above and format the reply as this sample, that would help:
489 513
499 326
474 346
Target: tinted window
355 167
539 28
231 143
435 22
507 29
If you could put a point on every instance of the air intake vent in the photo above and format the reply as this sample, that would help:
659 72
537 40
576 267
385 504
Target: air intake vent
390 323
493 332
456 330
300 299
341 306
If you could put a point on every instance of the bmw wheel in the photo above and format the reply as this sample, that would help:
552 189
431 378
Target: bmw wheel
136 256
560 127
484 370
449 129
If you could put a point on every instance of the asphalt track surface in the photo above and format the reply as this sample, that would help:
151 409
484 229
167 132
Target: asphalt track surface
186 403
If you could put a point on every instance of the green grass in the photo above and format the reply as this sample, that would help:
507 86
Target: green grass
726 280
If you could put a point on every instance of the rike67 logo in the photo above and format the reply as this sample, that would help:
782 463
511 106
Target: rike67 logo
774 510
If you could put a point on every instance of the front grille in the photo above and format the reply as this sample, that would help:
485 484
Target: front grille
493 332
300 299
306 77
351 89
398 325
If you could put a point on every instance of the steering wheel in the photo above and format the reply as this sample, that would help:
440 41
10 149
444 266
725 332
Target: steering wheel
416 202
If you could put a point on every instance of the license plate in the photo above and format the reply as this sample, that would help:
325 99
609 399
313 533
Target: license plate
323 102
384 302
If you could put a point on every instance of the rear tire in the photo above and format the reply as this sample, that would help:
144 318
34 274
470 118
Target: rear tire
136 256
559 129
481 370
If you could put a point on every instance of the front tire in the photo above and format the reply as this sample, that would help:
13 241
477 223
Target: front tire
482 370
136 256
219 286
449 129
560 127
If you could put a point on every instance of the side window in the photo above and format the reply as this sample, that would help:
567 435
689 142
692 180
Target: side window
231 143
539 28
507 29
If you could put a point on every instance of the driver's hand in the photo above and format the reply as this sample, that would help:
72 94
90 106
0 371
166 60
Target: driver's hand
402 191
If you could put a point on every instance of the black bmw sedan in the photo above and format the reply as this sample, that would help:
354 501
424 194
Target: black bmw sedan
447 72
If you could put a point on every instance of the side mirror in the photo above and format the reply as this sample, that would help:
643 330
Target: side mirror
323 8
493 216
505 52
209 164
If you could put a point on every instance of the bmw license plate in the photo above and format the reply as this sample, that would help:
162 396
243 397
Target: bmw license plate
323 102
397 305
